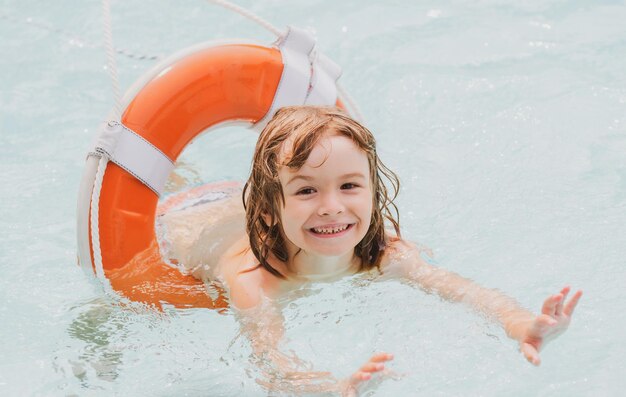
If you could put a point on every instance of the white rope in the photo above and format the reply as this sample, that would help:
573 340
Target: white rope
111 50
248 14
356 112
111 64
343 94
77 41
94 209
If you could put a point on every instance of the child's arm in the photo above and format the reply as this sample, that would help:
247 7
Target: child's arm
263 323
531 331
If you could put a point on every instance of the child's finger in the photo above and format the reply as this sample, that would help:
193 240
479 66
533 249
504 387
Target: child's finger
360 376
381 357
545 321
559 305
549 305
531 354
372 367
571 305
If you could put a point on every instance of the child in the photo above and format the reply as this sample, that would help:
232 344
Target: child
315 210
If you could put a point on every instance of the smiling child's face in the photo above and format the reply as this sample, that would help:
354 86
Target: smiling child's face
328 201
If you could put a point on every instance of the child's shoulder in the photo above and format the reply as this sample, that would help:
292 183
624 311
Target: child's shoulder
246 280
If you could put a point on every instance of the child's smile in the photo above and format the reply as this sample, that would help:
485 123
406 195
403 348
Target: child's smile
327 231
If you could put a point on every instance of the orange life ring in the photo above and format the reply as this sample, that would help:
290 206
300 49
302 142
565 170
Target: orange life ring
214 85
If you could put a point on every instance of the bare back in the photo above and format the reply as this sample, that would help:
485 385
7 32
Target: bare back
210 242
197 237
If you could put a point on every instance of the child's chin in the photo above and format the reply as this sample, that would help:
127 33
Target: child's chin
338 251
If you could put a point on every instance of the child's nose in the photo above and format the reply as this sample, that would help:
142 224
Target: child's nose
330 205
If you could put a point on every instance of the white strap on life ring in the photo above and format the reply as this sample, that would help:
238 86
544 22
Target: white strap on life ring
135 154
307 78
323 89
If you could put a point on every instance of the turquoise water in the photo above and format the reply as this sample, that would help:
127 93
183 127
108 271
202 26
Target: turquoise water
505 121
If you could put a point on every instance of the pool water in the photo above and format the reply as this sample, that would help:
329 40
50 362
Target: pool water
504 120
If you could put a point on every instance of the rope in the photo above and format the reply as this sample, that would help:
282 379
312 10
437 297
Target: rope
94 218
248 14
134 55
76 40
111 50
111 64
343 94
255 18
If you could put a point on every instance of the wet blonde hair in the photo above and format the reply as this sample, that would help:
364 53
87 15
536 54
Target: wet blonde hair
263 195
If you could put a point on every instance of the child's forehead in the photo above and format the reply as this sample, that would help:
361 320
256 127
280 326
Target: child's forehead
323 145
329 146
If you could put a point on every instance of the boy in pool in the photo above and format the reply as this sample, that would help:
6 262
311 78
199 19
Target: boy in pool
315 210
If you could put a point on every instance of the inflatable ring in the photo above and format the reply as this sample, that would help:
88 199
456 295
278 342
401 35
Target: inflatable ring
195 90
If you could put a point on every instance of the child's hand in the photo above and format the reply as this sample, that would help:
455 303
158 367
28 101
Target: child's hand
554 319
374 365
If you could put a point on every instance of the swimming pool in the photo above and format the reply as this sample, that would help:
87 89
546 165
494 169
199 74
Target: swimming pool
504 120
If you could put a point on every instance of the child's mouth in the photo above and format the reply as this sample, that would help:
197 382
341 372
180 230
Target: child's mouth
330 231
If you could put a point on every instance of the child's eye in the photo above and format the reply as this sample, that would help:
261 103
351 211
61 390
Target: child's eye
305 191
347 186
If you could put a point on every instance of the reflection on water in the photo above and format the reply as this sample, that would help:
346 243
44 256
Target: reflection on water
97 327
117 338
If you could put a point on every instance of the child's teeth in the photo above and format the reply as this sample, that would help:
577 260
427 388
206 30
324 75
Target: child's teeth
330 230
